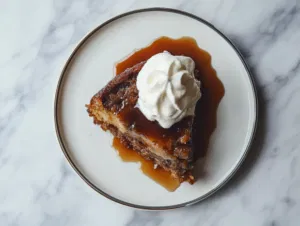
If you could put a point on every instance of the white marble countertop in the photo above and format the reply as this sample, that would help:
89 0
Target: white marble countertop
38 186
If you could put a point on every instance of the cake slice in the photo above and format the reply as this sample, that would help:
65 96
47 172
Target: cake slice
114 109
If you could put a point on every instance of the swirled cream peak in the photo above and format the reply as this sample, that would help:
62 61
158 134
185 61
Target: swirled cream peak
168 90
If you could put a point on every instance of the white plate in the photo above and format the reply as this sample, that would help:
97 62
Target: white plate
90 67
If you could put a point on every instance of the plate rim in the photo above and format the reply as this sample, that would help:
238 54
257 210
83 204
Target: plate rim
65 150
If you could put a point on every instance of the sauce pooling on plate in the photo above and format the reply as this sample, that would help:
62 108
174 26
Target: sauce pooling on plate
205 121
158 174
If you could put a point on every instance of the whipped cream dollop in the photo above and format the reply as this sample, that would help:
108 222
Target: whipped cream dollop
168 90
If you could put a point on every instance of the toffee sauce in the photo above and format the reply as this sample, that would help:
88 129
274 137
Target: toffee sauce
205 121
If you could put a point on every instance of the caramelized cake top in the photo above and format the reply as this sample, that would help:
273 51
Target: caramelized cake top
120 96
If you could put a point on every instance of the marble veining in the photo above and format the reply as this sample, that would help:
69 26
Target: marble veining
38 187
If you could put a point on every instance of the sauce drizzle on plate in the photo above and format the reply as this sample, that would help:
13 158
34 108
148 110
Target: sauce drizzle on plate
206 110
